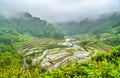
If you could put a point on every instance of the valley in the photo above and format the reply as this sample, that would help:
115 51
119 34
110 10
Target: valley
33 48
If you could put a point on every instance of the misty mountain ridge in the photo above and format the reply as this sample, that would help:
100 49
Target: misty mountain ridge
103 24
26 23
94 18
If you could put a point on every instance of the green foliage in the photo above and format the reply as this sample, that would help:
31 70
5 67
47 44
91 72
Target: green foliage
83 43
91 70
99 57
115 41
30 25
36 27
52 46
103 25
106 29
116 52
101 67
111 57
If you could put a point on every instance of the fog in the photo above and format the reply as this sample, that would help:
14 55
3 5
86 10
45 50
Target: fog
59 10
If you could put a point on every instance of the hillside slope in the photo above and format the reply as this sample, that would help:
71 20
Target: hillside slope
26 23
13 30
102 25
106 29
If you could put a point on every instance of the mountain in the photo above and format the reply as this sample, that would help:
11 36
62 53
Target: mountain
13 30
103 24
106 29
34 26
26 23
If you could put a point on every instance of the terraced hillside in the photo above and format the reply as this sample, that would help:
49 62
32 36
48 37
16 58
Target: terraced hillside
50 59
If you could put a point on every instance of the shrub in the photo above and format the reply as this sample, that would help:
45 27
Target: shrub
99 57
116 52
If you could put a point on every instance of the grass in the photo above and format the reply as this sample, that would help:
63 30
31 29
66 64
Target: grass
90 54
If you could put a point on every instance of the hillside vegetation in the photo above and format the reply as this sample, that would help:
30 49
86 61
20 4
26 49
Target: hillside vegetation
105 30
34 26
103 24
17 31
33 48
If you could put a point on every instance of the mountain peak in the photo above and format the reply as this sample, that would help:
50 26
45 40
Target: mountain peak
27 14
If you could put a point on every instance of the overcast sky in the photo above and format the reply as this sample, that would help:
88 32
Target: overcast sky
60 10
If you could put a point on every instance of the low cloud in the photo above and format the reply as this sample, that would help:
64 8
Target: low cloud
60 10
